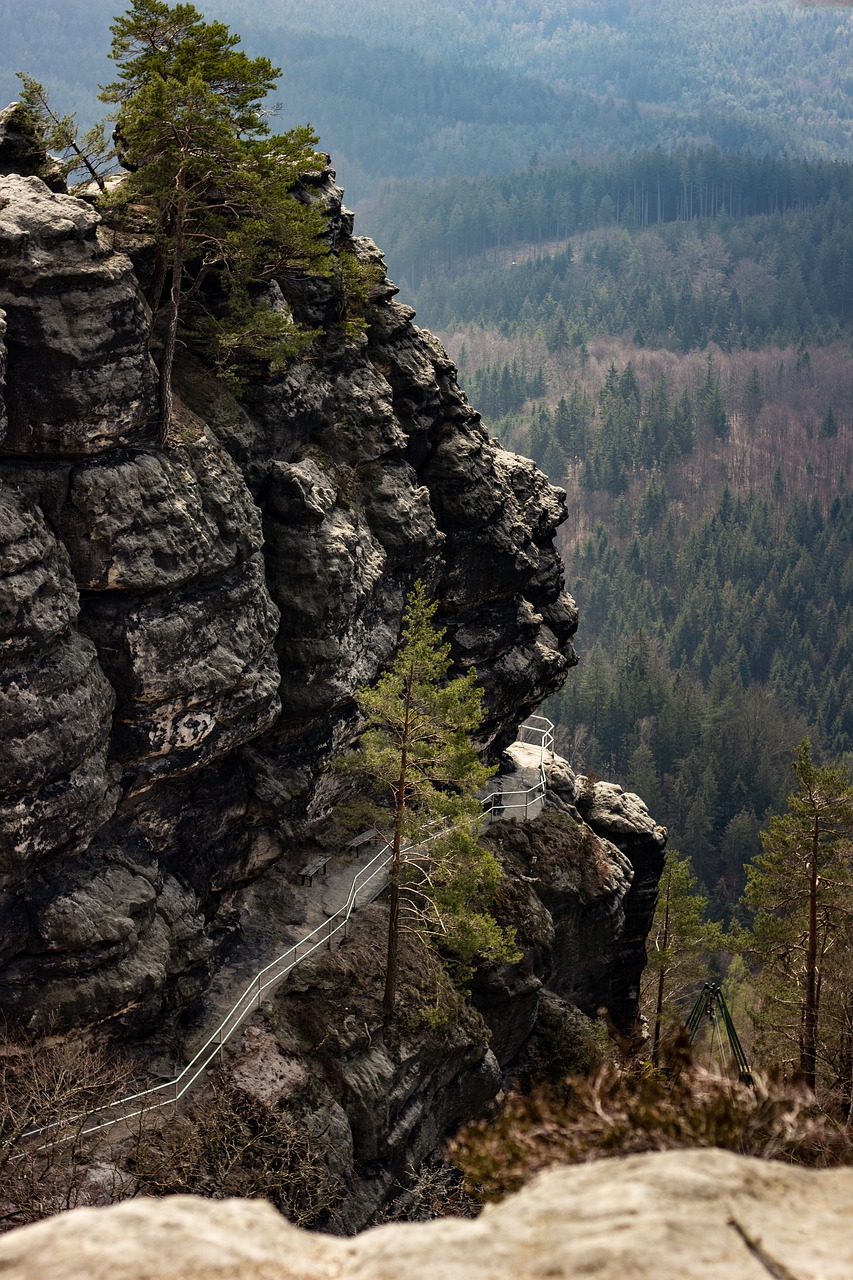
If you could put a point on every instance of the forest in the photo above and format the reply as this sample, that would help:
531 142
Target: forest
676 353
709 549
470 89
666 251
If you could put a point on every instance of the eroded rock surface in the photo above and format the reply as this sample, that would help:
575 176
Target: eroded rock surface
56 787
137 636
386 1094
622 817
184 635
80 378
382 1095
705 1214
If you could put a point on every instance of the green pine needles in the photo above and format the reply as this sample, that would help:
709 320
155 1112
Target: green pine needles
416 751
216 186
799 889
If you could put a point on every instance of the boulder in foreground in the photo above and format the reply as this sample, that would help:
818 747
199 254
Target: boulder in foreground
709 1215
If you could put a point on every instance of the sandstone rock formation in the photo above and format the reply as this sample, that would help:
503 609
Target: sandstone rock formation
183 627
380 1098
598 893
709 1215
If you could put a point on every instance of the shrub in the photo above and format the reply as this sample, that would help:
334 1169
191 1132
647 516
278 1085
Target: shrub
617 1112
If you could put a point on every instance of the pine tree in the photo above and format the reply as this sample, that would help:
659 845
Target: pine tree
417 750
682 941
193 134
712 401
799 889
89 157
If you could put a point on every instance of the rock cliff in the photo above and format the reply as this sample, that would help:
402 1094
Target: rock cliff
182 628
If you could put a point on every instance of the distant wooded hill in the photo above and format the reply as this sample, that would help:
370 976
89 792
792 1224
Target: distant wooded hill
666 251
469 88
689 382
402 90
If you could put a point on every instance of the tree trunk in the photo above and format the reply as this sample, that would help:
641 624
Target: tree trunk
167 360
156 295
808 1057
661 980
390 996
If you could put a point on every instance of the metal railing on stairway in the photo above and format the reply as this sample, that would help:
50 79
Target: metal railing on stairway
367 884
536 731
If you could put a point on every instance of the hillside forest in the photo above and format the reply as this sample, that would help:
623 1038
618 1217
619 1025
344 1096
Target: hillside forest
631 225
677 354
468 88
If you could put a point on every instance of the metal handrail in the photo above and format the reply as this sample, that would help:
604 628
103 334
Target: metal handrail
169 1092
541 731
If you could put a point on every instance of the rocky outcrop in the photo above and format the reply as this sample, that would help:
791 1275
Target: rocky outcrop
569 888
56 787
385 1094
706 1214
138 634
19 150
185 626
378 1095
79 378
622 817
581 897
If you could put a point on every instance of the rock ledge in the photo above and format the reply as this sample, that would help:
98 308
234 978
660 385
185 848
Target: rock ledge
707 1214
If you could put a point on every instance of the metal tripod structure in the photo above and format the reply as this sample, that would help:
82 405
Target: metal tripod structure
711 1004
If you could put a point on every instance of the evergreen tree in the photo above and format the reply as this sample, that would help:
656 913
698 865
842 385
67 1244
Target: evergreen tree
89 157
682 943
712 401
193 133
799 889
417 750
829 424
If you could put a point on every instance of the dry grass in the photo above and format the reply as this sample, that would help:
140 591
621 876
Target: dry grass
622 1111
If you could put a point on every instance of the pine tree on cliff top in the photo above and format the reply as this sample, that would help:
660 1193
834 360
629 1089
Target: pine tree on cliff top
218 187
417 750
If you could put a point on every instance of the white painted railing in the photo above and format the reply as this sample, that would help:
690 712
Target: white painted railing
367 884
536 731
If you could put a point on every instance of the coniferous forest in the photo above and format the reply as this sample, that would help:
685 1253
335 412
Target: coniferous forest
668 336
689 382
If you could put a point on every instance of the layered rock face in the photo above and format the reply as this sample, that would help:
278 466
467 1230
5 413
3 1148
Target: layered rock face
709 1215
585 890
182 628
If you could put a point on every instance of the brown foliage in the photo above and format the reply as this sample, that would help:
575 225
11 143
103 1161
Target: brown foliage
54 1088
225 1143
436 1190
617 1112
230 1143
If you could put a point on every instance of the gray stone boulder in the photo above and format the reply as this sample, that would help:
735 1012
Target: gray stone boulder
706 1215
